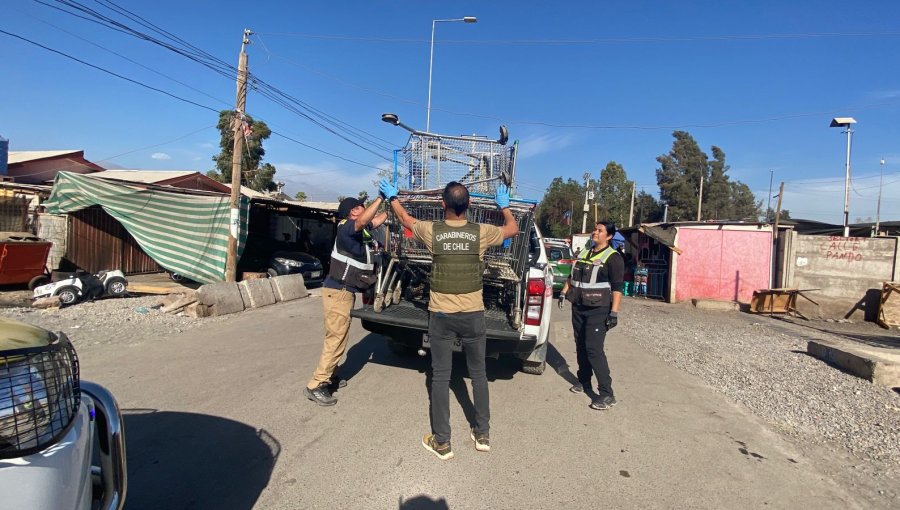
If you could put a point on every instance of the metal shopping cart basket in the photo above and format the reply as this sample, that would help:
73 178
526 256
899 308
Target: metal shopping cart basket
422 169
429 161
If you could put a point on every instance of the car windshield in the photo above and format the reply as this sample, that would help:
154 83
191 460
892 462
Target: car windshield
555 253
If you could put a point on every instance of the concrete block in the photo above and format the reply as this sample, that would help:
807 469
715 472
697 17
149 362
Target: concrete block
879 365
197 310
222 298
289 287
256 293
708 304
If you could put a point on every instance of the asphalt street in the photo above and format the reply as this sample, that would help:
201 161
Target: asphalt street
216 419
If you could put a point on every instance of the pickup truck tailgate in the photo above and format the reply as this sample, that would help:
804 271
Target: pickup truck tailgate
408 316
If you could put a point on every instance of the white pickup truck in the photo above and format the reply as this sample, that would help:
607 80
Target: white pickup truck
517 314
53 427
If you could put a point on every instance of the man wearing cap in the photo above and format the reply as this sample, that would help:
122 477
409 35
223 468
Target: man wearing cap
456 303
351 270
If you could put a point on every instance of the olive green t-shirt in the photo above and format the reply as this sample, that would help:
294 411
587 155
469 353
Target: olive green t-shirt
455 303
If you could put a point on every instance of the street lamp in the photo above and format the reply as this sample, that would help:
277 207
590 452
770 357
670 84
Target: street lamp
845 122
467 19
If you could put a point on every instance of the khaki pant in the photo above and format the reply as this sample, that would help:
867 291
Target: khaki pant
337 305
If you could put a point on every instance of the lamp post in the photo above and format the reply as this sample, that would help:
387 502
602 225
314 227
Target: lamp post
467 19
846 122
878 208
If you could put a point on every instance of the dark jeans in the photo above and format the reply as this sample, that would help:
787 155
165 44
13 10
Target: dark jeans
443 330
589 325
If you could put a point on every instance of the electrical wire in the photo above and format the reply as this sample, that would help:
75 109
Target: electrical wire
603 40
107 71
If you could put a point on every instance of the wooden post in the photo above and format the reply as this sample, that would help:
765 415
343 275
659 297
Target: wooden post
234 221
778 210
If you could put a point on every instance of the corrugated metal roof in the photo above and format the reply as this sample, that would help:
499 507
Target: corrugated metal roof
147 176
24 156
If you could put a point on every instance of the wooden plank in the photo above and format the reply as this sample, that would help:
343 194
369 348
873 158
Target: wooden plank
149 288
889 308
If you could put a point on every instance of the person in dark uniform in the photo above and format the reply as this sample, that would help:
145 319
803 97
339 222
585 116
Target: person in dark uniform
456 304
595 290
351 270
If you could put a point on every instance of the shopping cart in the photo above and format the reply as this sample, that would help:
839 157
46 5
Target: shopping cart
429 161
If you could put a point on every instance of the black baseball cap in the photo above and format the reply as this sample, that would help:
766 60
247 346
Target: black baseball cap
347 205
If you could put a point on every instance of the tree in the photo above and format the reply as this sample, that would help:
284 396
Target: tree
679 179
254 176
679 176
717 202
744 206
647 209
770 215
613 194
555 215
300 196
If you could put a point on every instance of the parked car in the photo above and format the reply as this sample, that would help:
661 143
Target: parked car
293 262
54 427
561 259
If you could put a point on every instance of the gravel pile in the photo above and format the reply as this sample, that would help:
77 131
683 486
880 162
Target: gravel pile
124 321
762 363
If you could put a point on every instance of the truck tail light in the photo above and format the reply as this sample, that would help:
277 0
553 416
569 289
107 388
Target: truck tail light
534 301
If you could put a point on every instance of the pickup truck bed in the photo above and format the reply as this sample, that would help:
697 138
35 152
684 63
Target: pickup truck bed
406 322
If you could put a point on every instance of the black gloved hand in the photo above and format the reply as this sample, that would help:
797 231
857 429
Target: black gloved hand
612 320
560 300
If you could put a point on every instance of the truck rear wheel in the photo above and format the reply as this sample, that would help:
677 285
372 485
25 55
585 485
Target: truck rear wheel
534 367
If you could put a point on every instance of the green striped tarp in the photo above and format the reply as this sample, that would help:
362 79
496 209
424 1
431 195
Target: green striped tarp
184 233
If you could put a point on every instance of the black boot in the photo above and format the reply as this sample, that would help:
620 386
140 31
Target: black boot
320 395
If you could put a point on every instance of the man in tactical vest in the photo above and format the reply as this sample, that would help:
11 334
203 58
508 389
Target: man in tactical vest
595 290
456 304
351 270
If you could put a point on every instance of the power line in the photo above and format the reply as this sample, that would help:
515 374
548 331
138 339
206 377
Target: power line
604 40
107 71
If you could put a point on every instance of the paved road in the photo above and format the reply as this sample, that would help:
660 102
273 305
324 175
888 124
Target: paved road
216 419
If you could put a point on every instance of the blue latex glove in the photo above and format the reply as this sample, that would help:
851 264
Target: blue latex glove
502 198
387 190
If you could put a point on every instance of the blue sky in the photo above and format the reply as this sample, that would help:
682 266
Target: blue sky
578 84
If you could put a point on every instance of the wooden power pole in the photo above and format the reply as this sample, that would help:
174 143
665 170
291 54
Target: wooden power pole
234 223
778 210
631 209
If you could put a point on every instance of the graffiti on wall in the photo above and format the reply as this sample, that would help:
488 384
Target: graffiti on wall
849 249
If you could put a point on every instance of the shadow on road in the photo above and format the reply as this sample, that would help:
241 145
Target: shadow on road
373 349
559 364
423 503
195 461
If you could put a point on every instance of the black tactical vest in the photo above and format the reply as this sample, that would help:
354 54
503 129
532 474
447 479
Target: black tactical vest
348 269
456 265
589 285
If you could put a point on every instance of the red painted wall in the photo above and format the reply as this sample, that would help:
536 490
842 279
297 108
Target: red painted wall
723 265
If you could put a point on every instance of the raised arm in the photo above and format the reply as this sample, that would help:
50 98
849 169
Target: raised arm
510 226
368 215
389 192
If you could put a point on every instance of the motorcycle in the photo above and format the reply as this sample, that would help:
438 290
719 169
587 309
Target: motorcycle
85 286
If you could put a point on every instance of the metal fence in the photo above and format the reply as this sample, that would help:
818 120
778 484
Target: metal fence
14 214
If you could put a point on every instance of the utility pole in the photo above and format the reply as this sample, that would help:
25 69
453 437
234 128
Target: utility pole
700 197
236 153
778 210
571 219
769 201
631 209
878 209
587 177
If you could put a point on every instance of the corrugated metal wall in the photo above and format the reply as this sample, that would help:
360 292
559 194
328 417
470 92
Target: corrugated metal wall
96 241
